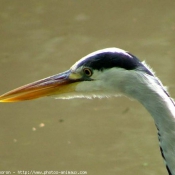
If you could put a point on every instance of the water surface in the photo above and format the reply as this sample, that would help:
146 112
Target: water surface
109 136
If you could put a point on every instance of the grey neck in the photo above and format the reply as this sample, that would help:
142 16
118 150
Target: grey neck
162 109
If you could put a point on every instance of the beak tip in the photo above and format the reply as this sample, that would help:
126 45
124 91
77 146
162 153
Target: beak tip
3 100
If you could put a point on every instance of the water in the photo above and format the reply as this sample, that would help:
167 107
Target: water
109 136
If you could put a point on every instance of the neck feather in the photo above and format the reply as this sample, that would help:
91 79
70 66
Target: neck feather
157 101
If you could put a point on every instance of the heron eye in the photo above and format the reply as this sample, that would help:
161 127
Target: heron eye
87 72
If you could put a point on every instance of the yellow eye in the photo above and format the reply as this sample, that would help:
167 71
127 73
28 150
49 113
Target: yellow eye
87 72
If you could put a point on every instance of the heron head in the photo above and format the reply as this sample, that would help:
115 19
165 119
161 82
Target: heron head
99 74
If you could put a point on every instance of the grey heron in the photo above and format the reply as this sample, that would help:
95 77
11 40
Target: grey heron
106 73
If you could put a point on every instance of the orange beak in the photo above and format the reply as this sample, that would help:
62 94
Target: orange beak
56 84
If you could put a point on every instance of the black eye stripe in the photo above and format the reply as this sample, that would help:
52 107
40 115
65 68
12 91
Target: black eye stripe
107 60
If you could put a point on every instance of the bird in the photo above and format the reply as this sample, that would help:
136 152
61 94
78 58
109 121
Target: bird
110 72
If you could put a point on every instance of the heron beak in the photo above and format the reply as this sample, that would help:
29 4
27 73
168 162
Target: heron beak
57 84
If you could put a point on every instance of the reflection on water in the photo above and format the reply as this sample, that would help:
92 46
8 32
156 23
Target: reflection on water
109 136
